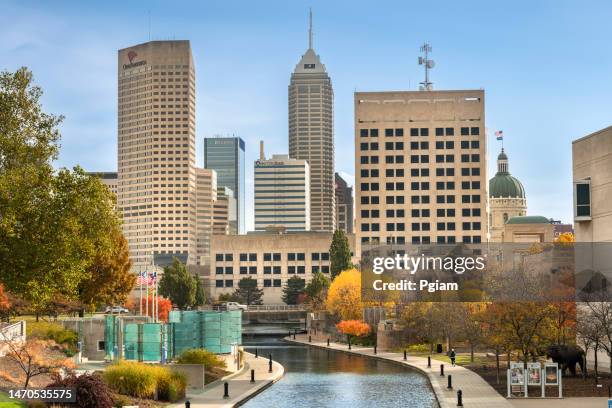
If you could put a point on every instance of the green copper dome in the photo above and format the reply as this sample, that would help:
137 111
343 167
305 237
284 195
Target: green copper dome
529 219
503 184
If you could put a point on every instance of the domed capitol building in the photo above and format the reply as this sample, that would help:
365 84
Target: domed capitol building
507 198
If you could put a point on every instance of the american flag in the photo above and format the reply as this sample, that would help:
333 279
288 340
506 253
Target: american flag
152 278
499 135
143 278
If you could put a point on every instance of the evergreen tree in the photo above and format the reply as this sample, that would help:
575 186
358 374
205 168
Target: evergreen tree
200 298
248 292
339 254
294 288
315 290
178 285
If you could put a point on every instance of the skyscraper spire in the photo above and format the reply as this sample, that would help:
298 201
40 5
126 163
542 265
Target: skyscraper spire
310 30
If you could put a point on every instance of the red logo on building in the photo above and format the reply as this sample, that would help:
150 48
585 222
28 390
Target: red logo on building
131 56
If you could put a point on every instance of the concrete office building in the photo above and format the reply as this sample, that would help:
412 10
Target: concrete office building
109 178
344 205
507 198
206 195
311 133
223 207
592 174
225 155
270 257
156 151
592 191
528 228
282 193
420 167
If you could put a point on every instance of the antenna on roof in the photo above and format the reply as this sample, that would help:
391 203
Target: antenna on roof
428 64
310 29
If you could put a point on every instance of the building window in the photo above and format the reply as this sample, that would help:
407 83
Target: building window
244 257
315 255
582 198
267 283
101 345
229 283
277 283
277 270
219 270
243 270
252 270
219 257
218 283
267 270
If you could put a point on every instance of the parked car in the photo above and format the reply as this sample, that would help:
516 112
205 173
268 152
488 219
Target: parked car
116 310
234 306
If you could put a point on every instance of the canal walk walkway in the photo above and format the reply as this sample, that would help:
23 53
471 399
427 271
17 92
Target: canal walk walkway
240 386
477 393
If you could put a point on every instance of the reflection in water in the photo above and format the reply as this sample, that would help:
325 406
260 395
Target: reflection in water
321 378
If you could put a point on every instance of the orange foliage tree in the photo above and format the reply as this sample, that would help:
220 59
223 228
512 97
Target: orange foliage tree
33 357
5 305
353 328
344 295
165 306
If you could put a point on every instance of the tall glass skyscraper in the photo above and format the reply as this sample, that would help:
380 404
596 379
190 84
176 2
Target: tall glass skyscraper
225 155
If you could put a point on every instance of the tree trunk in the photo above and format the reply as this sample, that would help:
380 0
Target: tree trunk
595 361
508 360
81 312
471 352
497 363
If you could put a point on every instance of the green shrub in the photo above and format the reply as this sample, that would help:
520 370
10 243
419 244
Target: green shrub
131 378
172 388
419 348
201 356
142 380
52 331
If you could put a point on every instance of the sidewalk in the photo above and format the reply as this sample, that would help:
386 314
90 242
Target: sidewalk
477 393
240 386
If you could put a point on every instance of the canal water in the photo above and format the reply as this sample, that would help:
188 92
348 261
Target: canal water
321 378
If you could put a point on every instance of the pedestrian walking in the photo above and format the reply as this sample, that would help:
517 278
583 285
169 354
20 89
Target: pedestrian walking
453 356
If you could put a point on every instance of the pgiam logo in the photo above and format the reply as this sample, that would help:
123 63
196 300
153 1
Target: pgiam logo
413 264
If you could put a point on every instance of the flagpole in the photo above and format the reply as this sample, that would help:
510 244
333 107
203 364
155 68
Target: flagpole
140 303
147 300
156 301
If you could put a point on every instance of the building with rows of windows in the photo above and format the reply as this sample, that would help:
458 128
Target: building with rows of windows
420 167
271 257
156 152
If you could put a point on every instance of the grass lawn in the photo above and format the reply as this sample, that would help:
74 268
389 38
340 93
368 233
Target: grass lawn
462 359
6 402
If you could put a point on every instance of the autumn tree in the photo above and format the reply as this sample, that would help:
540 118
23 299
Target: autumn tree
353 328
339 253
344 295
5 305
315 291
178 285
110 280
53 222
164 305
471 327
33 358
293 289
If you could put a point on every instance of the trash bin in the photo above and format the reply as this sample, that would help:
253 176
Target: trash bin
439 348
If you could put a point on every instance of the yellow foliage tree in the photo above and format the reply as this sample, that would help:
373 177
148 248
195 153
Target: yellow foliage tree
344 295
566 237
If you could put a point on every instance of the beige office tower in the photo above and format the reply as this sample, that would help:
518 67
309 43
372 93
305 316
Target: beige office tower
206 195
156 163
420 167
311 134
225 204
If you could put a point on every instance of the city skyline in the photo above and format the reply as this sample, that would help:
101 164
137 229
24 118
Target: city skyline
526 97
